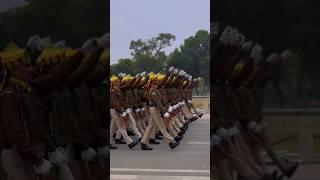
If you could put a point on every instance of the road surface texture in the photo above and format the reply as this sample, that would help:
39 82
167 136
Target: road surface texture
189 161
305 172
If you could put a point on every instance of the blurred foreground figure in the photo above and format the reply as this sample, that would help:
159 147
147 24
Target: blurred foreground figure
42 93
238 130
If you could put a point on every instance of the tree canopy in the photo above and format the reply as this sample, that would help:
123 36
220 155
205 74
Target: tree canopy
71 20
278 25
193 56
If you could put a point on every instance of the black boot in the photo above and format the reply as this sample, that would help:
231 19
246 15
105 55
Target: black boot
183 130
145 147
193 118
158 136
174 144
130 133
133 144
120 141
153 141
178 138
292 169
180 133
112 146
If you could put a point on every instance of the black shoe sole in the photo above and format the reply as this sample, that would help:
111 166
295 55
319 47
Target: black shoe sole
133 144
175 145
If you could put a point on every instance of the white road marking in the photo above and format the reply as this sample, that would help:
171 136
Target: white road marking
206 143
130 177
123 177
159 170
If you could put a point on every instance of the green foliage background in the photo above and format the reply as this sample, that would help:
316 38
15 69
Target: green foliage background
278 25
71 20
193 56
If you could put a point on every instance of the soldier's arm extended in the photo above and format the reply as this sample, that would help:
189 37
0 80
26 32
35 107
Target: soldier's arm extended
85 68
58 74
97 76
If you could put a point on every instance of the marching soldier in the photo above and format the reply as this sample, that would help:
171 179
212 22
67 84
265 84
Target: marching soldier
40 124
151 105
239 76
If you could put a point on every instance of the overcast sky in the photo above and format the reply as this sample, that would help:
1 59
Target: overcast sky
134 19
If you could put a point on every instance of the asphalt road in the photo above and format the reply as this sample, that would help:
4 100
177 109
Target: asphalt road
189 161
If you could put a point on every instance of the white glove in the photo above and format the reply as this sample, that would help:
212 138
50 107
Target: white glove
226 35
257 129
56 157
143 109
60 44
103 151
184 73
170 109
171 69
33 42
241 38
273 57
89 46
44 168
143 73
175 71
128 110
120 74
43 43
137 110
190 78
286 54
166 115
222 133
123 114
138 75
104 40
215 140
256 53
235 130
247 45
88 155
181 72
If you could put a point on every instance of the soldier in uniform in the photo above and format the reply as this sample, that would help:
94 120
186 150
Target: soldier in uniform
237 124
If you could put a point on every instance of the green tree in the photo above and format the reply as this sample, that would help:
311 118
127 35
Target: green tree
124 66
194 57
149 54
